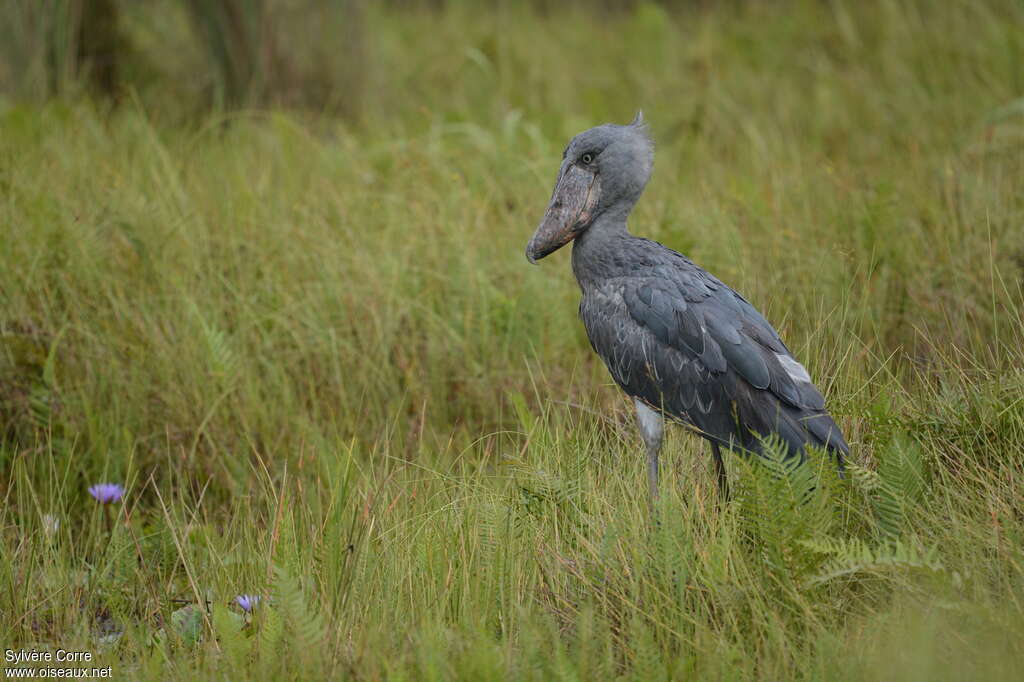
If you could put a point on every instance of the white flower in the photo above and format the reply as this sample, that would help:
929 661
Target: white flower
51 524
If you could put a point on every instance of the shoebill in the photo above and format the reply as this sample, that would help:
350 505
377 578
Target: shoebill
681 343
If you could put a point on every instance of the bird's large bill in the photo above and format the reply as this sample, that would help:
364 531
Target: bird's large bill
571 208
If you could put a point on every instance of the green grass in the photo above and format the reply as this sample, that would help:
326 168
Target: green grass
314 352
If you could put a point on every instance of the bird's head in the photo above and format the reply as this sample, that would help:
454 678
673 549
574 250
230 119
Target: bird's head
603 168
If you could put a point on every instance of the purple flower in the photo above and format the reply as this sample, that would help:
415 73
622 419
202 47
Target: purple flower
106 493
247 601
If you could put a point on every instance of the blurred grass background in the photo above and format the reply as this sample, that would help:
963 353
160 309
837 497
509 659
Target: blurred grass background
262 261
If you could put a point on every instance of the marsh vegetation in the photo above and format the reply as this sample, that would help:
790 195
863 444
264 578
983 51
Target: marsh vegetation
301 332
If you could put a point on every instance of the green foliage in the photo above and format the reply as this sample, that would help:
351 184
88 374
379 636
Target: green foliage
187 623
849 556
236 34
315 355
781 505
898 487
52 47
232 637
256 61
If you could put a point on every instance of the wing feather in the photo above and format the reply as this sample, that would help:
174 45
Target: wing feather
685 343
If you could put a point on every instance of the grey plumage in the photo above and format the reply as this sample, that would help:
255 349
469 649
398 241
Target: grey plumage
672 335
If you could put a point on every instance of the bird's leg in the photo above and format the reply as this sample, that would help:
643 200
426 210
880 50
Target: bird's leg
652 429
840 465
723 481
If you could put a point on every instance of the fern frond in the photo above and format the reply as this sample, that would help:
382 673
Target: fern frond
853 556
227 627
304 624
866 480
271 637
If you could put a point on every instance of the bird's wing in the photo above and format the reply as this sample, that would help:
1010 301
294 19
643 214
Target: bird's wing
681 340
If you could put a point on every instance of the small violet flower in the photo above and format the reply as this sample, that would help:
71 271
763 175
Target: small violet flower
247 601
106 493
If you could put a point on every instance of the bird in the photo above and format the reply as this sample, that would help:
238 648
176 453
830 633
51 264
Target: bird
683 345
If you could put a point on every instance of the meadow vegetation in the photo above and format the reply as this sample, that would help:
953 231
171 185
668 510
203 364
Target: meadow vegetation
310 346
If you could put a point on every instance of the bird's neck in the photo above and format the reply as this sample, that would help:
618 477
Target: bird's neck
594 251
608 225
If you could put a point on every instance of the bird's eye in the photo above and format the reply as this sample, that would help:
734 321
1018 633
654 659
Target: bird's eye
587 158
